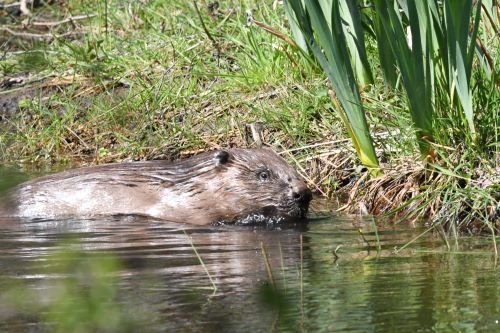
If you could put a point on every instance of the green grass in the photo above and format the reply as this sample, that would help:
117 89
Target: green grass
177 94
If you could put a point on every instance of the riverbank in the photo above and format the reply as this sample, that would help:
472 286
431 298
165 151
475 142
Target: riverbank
87 84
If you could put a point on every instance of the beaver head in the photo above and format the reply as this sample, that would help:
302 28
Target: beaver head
249 181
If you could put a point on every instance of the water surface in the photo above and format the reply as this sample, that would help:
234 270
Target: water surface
329 276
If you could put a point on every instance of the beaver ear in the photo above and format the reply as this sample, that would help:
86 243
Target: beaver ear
221 157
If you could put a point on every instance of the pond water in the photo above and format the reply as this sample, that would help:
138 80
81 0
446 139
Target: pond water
335 274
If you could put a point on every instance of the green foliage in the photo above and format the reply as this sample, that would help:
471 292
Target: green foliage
329 46
414 62
456 48
431 44
81 296
350 13
85 301
153 84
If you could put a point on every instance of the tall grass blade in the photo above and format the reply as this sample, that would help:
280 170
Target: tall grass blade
329 47
385 55
414 62
489 26
457 14
297 35
354 34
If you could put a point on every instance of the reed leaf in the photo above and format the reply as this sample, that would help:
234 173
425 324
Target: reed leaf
328 45
385 55
413 57
355 38
459 47
297 35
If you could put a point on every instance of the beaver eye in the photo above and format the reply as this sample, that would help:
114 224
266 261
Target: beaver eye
264 175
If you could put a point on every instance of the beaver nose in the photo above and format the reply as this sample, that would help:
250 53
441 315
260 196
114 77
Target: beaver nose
303 195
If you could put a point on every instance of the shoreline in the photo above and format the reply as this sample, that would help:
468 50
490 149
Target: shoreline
138 89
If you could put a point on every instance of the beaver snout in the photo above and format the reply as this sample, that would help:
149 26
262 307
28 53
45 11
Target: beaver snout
302 196
296 202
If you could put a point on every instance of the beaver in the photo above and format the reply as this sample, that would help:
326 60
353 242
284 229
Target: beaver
218 186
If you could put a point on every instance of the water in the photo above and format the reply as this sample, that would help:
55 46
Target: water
336 274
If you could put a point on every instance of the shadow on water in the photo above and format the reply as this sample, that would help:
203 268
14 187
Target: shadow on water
336 274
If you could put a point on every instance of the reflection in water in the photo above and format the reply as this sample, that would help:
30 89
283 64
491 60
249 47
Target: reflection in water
423 288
